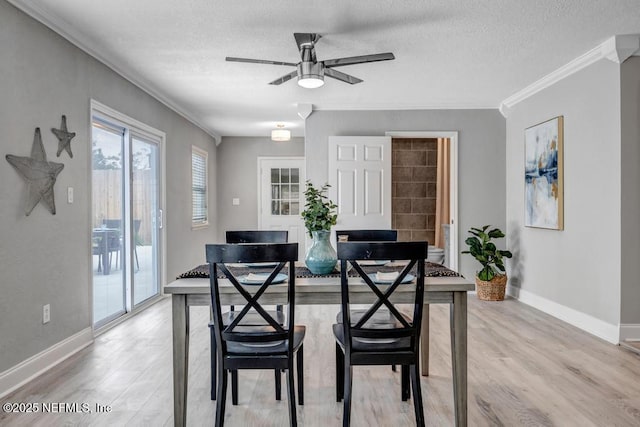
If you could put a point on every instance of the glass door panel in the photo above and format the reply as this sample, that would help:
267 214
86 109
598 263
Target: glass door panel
144 211
109 290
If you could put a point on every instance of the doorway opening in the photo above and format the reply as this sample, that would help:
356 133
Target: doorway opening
424 191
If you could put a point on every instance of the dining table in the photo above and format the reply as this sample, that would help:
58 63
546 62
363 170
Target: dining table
105 237
452 290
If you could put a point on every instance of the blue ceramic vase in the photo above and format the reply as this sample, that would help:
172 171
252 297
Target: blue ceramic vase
321 258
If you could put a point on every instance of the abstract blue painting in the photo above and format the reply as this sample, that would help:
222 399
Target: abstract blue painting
543 175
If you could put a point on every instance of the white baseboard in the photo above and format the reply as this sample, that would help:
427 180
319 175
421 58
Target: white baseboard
586 322
629 332
27 370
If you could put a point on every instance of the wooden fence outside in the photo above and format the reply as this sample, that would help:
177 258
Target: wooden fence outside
107 199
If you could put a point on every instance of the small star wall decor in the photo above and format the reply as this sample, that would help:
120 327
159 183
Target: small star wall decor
64 138
39 174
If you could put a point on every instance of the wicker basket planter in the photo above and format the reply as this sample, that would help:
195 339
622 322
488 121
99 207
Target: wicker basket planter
492 290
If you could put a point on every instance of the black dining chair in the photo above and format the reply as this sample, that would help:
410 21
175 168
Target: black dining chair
97 248
381 235
116 244
361 339
246 236
245 343
114 239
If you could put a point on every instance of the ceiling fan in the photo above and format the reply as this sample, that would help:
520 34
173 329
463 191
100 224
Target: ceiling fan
309 70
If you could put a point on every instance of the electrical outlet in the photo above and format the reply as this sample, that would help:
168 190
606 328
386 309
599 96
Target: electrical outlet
46 313
69 194
235 201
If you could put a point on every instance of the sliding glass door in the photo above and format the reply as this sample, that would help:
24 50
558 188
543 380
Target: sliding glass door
109 285
145 215
126 218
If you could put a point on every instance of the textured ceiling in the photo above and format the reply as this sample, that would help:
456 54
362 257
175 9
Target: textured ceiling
449 53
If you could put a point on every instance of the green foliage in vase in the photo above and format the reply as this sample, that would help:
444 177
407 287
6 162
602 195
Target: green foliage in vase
485 251
320 212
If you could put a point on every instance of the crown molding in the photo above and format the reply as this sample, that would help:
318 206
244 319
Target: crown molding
616 49
398 107
67 30
619 48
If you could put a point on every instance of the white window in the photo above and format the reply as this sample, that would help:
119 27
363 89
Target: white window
285 191
200 211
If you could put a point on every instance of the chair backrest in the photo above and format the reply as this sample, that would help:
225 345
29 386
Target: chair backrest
257 236
414 253
220 254
114 236
368 235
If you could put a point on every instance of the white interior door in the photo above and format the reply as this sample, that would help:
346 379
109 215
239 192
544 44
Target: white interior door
360 179
281 184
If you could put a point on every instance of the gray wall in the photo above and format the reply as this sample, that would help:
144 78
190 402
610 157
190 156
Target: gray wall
240 154
630 121
46 258
481 156
579 267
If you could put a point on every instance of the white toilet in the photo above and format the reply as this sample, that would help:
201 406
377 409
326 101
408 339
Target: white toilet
435 255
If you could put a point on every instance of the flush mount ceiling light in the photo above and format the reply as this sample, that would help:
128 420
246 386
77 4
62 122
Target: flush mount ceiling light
280 134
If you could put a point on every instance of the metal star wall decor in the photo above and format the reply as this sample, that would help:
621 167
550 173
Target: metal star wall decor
39 174
64 138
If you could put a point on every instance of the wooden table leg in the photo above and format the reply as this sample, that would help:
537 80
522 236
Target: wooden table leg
424 341
458 319
180 358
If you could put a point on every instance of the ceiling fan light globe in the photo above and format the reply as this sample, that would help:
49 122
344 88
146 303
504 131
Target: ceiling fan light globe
310 82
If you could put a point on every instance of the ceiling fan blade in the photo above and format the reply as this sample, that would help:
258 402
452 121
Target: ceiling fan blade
351 60
339 75
284 78
259 61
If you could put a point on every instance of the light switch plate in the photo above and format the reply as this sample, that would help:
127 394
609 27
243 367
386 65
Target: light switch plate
69 194
46 313
235 201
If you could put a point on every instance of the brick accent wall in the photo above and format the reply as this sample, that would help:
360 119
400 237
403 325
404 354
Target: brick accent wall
413 184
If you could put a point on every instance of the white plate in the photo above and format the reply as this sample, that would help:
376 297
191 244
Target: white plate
407 279
374 262
260 280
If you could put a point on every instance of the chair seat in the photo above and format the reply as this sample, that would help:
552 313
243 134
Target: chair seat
269 347
372 344
251 319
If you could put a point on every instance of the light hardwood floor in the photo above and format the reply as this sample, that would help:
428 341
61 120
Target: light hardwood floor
525 368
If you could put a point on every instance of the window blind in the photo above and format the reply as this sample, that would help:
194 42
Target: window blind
199 210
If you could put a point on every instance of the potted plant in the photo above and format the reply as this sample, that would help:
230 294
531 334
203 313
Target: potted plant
491 281
319 215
